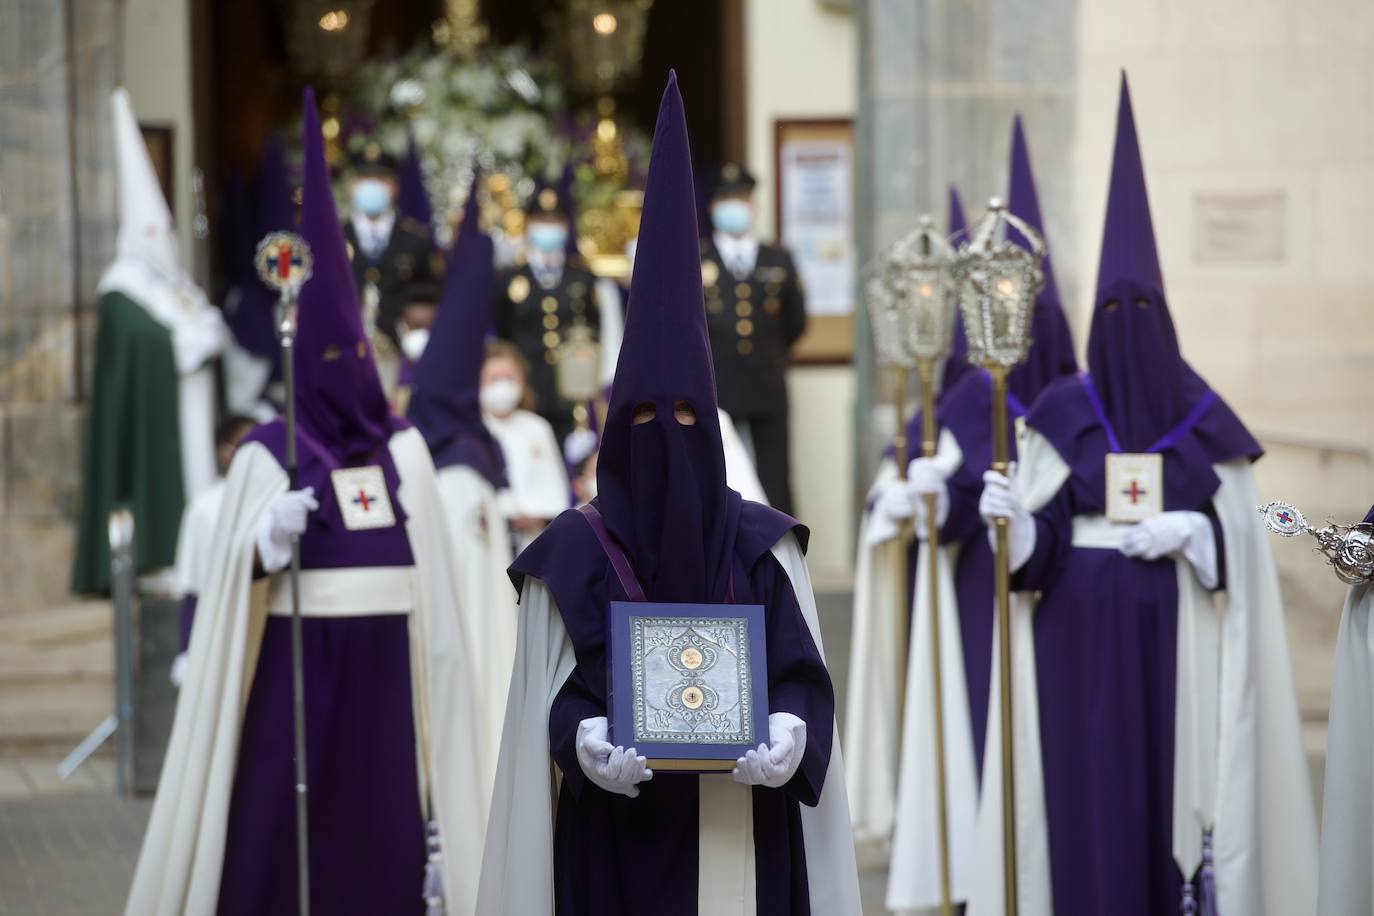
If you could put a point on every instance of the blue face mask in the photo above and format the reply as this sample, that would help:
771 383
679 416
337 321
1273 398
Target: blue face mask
733 217
547 236
371 197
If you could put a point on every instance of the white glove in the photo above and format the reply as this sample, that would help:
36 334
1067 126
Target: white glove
1188 534
178 672
579 444
924 478
1002 499
285 519
773 764
198 340
614 769
892 506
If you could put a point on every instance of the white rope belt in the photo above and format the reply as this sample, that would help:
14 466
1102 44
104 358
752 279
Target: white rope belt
1095 531
360 592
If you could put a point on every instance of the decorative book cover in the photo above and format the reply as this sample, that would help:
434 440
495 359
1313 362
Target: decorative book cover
688 682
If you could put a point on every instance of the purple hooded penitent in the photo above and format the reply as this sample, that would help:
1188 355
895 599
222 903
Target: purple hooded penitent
965 411
688 538
1106 624
443 400
412 199
367 850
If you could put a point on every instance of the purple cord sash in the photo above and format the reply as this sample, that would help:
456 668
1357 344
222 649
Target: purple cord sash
621 563
1169 439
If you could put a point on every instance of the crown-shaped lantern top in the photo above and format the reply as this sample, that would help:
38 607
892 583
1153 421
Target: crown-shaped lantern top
1348 548
887 312
997 283
923 262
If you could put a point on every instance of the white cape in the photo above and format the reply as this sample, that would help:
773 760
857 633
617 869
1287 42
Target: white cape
914 879
1347 859
517 869
183 850
1238 756
481 553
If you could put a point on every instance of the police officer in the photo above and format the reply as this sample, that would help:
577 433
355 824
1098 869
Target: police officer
389 251
755 311
539 303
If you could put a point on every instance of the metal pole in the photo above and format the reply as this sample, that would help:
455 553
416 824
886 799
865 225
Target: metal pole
932 547
900 452
288 332
121 530
1001 462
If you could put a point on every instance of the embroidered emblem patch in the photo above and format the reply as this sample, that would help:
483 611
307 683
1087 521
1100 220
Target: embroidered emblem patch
362 497
1135 486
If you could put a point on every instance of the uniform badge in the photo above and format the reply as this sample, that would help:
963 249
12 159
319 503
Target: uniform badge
362 497
710 273
519 288
1135 486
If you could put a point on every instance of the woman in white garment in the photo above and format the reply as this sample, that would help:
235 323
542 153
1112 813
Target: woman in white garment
538 480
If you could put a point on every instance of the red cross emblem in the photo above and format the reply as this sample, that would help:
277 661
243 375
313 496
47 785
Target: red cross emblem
1135 492
363 501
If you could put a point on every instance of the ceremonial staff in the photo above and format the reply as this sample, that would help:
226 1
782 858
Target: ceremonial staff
997 282
1349 549
887 315
925 258
284 262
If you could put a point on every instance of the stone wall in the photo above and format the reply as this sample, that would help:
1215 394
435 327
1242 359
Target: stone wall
58 62
940 83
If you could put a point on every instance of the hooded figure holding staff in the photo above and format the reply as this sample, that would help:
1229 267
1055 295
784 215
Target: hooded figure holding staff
1166 724
614 837
388 663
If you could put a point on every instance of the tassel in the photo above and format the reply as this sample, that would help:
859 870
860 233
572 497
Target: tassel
1188 907
1208 876
433 891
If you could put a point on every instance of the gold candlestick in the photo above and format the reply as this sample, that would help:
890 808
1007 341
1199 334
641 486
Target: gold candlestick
1001 462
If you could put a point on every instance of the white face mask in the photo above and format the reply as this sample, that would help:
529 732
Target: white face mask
501 396
413 343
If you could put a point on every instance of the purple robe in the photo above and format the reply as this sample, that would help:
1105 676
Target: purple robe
614 854
1105 633
367 834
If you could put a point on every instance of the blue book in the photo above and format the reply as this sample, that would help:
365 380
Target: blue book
688 683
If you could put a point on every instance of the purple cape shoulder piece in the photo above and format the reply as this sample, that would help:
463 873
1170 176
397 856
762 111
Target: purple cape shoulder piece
1064 415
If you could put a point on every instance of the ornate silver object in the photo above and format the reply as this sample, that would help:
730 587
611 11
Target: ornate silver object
921 264
1348 548
284 262
887 314
997 284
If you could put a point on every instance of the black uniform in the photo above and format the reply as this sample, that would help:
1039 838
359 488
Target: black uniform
753 321
535 319
409 257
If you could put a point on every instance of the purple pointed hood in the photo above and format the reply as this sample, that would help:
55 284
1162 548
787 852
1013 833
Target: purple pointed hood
412 199
1051 354
339 399
443 400
956 365
1133 352
661 484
